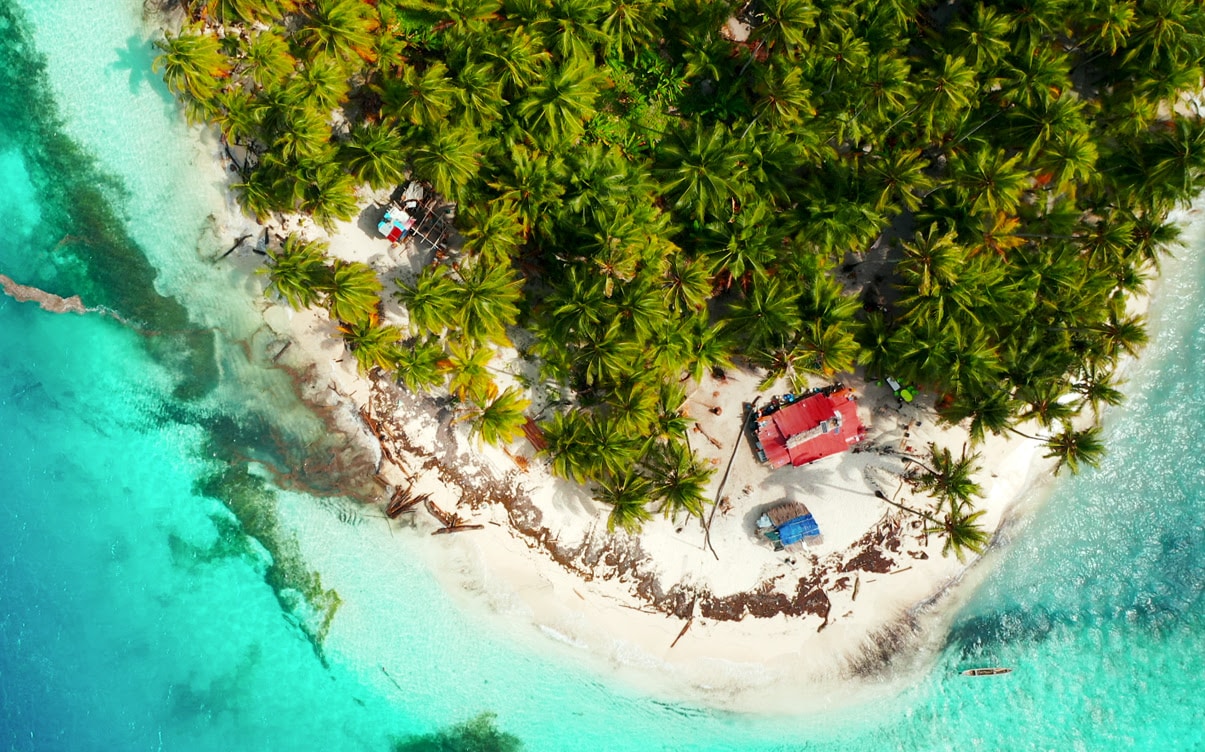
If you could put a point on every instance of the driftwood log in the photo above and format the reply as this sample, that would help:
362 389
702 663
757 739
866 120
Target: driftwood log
457 529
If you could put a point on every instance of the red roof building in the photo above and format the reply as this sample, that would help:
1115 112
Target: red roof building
808 429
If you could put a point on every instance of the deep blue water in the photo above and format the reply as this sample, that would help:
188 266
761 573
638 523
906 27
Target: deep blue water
134 613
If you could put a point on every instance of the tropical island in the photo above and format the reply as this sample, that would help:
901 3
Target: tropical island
658 213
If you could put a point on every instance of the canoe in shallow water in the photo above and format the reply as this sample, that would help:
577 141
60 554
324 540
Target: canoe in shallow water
986 671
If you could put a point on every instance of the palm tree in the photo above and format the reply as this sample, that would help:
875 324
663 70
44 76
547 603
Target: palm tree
449 160
1070 157
983 38
565 436
629 495
945 94
1038 75
530 180
338 28
962 532
824 299
991 182
668 344
783 97
321 85
672 420
1098 386
487 301
1040 123
1122 334
959 527
947 479
632 405
492 231
1168 32
785 24
418 364
469 365
843 51
304 134
1109 25
376 155
328 193
298 271
770 156
744 247
518 59
679 480
353 292
687 284
501 419
900 178
991 411
767 316
420 97
1046 402
571 28
614 248
599 179
608 357
241 115
932 272
233 11
192 63
578 306
431 302
372 345
259 194
631 25
887 91
266 59
702 171
612 453
467 17
480 94
555 108
828 348
1071 447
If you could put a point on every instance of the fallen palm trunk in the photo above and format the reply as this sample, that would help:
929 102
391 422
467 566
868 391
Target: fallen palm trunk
457 529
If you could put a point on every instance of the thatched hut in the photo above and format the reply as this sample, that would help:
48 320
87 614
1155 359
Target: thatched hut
788 525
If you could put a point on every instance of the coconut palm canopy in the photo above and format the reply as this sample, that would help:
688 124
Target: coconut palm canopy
652 197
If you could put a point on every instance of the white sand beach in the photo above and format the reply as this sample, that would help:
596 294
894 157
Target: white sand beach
681 618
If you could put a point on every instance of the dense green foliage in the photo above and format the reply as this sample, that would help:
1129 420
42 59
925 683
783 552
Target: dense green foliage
653 200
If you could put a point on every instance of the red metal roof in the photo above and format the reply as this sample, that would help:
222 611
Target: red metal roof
776 430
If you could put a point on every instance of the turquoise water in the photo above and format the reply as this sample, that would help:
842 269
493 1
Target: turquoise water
135 615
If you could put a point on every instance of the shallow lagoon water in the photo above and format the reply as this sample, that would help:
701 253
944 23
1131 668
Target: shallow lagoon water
135 615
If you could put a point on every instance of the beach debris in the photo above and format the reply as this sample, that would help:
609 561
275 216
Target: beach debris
403 501
714 442
452 522
685 627
234 247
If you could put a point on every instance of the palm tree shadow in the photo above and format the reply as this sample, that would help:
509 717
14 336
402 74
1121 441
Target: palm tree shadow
135 59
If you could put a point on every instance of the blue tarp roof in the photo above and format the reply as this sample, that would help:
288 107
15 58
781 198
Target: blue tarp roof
793 531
